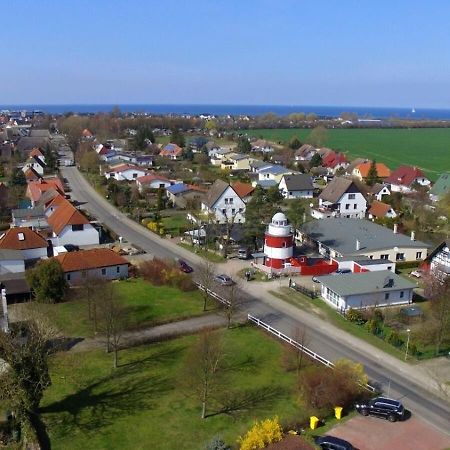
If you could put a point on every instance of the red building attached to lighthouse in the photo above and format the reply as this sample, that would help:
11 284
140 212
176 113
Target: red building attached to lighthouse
278 242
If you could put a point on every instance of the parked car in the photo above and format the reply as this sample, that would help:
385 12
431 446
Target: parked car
332 443
184 266
387 408
342 271
224 280
316 279
416 273
243 253
72 247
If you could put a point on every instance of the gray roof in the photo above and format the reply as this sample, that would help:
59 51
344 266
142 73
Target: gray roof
304 149
215 191
341 234
298 182
276 170
365 283
336 188
376 188
265 184
238 156
39 133
257 163
28 213
9 254
27 143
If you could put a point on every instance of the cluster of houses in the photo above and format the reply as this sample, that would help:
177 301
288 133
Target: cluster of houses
48 225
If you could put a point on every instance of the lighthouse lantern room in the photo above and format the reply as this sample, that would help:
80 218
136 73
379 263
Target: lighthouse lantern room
278 242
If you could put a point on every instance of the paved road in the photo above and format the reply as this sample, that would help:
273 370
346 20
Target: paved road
401 380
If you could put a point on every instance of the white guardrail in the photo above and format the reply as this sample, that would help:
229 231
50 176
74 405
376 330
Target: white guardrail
299 346
213 294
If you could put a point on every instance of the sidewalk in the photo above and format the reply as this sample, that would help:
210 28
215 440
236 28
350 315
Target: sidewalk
156 333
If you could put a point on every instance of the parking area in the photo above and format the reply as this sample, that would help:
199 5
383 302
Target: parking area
372 433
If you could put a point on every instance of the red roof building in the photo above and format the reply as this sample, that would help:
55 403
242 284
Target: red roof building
36 188
403 178
334 160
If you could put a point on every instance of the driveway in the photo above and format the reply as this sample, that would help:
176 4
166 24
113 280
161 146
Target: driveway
372 433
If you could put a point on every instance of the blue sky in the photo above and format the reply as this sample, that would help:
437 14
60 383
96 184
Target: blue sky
294 52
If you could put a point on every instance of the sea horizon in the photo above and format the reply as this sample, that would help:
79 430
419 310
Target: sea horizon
372 112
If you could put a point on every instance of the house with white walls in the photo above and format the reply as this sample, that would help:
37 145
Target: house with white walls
223 204
296 186
31 244
341 198
125 172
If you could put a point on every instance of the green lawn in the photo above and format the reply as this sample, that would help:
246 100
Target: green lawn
175 224
424 147
142 404
147 305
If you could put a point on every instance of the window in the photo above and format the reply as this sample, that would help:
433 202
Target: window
135 175
20 236
402 294
224 211
117 269
233 211
68 277
389 268
386 296
284 244
347 206
400 256
418 255
384 256
371 257
77 227
240 210
103 271
351 196
355 205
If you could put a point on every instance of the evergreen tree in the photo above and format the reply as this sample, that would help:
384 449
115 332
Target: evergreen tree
143 137
316 160
17 178
244 145
295 212
372 175
177 138
295 143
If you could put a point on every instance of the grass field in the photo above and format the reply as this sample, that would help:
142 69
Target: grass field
428 148
142 404
146 304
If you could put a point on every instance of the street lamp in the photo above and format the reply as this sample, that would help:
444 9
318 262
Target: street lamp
407 343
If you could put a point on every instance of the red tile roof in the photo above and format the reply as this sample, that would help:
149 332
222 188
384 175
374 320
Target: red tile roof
31 174
89 259
379 209
382 170
36 152
333 159
66 214
22 238
36 188
151 177
404 176
87 133
124 167
171 150
242 189
56 201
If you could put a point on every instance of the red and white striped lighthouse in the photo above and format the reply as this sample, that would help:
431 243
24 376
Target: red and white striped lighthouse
278 242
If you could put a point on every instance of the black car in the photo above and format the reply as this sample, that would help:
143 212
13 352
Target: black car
185 267
71 247
387 408
332 443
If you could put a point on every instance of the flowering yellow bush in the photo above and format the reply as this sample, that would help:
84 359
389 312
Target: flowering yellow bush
261 434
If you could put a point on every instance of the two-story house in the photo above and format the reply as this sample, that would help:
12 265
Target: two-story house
171 151
223 204
152 181
378 191
341 198
34 163
236 162
70 226
439 260
361 171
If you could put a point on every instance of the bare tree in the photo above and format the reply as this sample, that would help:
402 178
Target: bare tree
24 373
112 319
202 368
294 357
205 276
234 303
438 291
89 292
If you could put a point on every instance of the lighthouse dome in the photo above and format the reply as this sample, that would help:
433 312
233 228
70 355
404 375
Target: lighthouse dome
279 219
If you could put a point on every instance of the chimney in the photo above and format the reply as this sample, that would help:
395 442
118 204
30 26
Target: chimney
358 245
395 228
413 236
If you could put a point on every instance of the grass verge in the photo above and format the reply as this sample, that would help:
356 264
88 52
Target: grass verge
143 404
208 254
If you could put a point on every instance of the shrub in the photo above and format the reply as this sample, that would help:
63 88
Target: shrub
378 315
395 339
354 315
261 434
217 444
372 326
48 282
325 388
160 272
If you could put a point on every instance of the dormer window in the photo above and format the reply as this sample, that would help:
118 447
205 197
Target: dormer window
20 236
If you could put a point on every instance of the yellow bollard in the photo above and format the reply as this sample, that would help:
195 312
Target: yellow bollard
338 412
313 422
